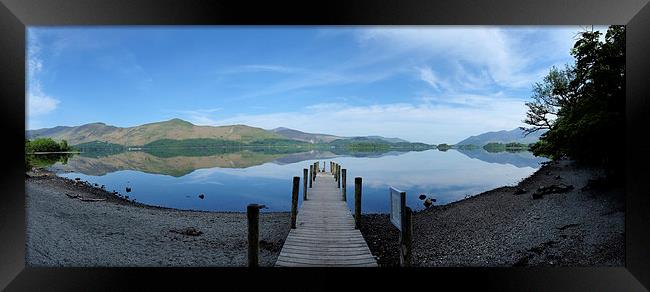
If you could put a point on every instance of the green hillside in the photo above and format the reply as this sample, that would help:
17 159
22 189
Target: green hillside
175 129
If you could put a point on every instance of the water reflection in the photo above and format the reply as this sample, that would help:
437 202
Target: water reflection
516 158
232 178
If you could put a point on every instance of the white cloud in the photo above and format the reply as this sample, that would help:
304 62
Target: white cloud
38 102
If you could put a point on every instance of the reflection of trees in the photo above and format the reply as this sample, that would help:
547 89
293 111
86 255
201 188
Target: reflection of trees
45 160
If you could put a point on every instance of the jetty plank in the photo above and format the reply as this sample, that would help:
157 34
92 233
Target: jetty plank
325 235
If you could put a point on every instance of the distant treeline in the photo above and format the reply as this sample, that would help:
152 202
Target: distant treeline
500 147
207 146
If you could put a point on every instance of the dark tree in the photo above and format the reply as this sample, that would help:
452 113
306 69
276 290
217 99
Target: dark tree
583 106
548 97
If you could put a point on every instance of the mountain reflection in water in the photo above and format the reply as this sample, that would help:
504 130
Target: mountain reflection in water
231 178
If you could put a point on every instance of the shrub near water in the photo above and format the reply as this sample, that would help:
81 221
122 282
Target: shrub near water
45 145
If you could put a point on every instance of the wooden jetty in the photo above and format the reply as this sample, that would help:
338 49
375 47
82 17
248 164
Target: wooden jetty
325 233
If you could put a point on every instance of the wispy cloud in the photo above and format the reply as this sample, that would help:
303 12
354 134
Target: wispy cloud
38 102
500 54
427 75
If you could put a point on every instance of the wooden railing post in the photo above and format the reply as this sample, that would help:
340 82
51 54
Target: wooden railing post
338 175
315 170
304 184
253 214
343 173
311 174
294 201
357 202
406 238
334 172
337 167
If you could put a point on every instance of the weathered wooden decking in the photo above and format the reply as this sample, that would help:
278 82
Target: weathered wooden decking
325 234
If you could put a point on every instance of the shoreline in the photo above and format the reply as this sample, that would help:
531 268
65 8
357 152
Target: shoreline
63 231
444 235
99 193
502 227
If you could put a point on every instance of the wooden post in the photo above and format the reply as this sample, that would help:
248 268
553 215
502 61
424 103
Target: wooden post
338 176
405 238
315 170
338 172
294 200
304 184
343 172
357 202
311 174
253 214
334 171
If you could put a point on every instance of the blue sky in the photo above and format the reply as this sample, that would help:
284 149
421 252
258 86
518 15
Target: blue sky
432 84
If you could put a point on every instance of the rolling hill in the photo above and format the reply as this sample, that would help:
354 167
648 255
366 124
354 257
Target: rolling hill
174 129
305 137
514 135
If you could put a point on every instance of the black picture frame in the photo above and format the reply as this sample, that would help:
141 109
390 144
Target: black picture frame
16 15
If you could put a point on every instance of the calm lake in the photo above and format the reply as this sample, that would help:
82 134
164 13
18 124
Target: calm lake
232 179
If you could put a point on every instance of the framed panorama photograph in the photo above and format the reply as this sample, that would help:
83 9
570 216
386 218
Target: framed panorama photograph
493 145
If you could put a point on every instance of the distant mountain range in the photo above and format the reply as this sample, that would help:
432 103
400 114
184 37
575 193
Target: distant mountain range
305 137
514 135
177 132
324 138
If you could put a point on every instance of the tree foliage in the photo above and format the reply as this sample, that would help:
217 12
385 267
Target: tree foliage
583 106
45 145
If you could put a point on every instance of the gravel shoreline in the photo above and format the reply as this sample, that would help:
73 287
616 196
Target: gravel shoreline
582 227
65 231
